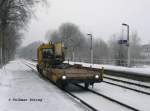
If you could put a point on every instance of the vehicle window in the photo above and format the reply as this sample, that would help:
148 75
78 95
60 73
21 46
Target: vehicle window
47 53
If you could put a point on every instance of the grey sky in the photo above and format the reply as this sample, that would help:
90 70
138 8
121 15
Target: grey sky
102 18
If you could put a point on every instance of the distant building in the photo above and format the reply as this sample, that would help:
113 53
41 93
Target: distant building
146 51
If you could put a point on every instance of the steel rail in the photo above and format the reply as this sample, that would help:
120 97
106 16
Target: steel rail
139 91
118 80
82 101
109 98
97 93
69 93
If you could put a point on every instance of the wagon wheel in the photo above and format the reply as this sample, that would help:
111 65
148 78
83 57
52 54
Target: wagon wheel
86 85
37 67
61 84
64 85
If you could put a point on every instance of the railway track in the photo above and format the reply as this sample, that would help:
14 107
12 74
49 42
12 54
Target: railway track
118 80
140 88
109 98
78 99
92 91
139 91
66 91
127 82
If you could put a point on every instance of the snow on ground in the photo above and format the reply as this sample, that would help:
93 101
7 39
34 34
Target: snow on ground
132 98
100 103
129 80
129 85
137 70
30 62
21 89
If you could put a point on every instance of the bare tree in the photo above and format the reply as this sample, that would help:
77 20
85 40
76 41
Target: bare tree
71 36
14 15
53 36
100 50
29 51
135 47
117 51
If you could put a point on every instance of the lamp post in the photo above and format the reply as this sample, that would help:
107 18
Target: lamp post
73 57
1 51
91 48
128 43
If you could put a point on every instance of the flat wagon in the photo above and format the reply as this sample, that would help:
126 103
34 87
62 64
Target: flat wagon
50 65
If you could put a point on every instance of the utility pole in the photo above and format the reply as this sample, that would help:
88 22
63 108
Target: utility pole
128 43
1 51
91 48
1 55
73 57
3 48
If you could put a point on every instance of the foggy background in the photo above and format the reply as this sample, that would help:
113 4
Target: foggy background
102 18
25 24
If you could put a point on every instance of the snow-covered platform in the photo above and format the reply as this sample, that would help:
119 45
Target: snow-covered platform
21 89
135 73
139 70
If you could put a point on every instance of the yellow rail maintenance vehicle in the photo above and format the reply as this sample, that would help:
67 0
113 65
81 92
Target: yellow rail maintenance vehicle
50 64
